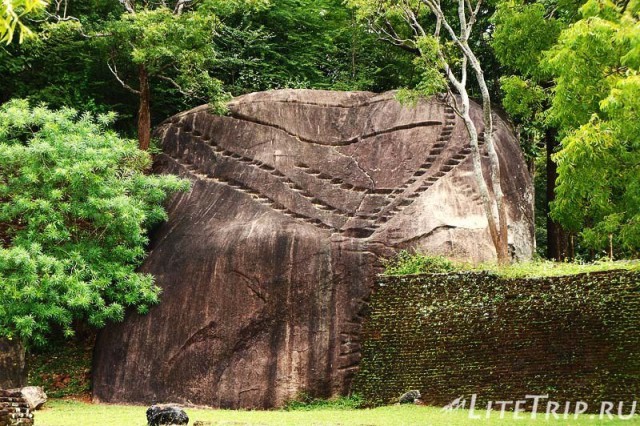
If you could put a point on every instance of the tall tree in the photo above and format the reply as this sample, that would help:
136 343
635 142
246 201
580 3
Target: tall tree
170 44
523 32
443 38
596 68
157 44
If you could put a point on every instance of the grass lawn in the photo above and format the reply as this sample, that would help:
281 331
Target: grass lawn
68 413
408 263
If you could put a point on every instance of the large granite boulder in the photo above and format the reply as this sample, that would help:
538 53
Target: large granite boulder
266 264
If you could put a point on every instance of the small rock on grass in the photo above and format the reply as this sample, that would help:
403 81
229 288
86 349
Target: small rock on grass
165 415
411 397
35 397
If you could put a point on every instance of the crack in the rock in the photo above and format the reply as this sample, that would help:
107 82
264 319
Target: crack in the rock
396 201
345 142
427 234
326 105
250 284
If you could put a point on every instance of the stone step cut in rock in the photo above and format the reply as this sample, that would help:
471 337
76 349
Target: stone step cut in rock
267 262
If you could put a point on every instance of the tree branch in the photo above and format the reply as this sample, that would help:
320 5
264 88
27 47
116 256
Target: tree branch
176 85
128 5
114 71
180 5
394 39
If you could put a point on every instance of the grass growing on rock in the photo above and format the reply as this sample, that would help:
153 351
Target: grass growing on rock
65 413
406 263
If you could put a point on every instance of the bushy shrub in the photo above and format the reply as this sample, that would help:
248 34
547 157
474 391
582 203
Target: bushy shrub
406 263
75 206
305 402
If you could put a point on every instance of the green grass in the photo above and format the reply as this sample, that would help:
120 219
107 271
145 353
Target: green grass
552 269
406 263
68 413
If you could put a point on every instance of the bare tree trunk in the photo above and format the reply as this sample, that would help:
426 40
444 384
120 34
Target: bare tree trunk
495 207
502 247
611 247
13 372
499 230
144 111
477 170
556 236
572 247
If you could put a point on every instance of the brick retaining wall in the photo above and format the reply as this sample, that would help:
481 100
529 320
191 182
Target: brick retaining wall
14 410
448 335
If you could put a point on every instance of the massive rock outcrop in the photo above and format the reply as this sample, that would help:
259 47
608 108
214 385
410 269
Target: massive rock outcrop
267 262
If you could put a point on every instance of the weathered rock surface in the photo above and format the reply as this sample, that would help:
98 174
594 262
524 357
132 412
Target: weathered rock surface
13 373
34 396
164 415
267 262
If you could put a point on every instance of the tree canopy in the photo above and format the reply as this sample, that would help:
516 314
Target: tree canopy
596 64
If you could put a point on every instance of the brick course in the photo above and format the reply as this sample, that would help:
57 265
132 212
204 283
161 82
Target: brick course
14 410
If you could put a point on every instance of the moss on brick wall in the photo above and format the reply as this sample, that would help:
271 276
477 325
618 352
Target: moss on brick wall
574 338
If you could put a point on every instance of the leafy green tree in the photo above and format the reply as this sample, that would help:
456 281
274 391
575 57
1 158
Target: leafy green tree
596 65
60 67
76 207
160 44
174 45
12 13
306 44
523 31
255 46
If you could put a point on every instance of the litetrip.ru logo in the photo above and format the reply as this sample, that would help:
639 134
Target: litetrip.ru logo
541 407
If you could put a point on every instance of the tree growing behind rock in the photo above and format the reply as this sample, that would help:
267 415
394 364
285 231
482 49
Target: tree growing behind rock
170 43
75 208
596 102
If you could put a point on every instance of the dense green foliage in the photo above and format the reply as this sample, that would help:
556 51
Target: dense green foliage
575 70
306 44
596 101
196 57
406 263
172 47
306 403
12 14
76 206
